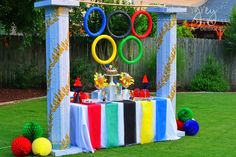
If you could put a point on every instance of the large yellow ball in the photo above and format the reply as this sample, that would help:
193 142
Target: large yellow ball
41 147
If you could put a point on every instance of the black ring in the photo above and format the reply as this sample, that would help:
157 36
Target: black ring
127 17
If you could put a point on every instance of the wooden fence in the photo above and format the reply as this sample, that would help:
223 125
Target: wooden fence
196 51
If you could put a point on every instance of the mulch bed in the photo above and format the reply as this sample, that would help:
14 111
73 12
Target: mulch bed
17 94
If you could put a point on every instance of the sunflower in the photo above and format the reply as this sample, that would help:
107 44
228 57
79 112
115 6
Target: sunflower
126 80
100 81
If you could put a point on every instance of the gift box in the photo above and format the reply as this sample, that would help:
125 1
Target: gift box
97 94
114 93
126 94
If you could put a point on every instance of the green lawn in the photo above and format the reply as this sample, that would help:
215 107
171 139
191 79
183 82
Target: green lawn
216 114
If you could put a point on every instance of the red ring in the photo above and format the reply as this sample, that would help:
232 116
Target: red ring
137 13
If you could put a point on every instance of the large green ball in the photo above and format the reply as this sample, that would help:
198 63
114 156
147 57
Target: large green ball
32 131
185 114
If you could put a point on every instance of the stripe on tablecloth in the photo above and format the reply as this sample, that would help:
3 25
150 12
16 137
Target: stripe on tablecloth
138 120
121 124
171 127
94 117
154 117
103 126
147 134
79 131
130 122
112 124
161 105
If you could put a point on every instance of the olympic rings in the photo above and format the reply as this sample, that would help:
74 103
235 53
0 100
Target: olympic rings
114 52
129 21
135 15
86 18
105 22
120 49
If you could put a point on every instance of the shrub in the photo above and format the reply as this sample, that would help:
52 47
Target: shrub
184 31
210 78
230 33
28 76
85 69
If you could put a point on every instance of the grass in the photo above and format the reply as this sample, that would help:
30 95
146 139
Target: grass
214 111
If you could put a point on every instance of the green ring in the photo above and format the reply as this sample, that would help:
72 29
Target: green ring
120 49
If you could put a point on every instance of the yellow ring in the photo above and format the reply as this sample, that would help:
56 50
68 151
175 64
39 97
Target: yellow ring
114 52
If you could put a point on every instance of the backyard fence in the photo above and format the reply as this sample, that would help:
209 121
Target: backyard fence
196 51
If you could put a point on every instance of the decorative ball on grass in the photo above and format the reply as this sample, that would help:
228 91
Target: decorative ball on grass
191 127
185 114
21 146
32 131
180 125
41 147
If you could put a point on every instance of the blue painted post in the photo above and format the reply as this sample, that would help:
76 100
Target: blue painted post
166 52
58 73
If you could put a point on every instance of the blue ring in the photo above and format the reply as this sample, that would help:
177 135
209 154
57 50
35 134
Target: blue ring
86 18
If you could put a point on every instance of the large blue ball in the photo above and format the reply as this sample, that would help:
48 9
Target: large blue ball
191 127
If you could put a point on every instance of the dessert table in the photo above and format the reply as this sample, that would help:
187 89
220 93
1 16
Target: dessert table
121 123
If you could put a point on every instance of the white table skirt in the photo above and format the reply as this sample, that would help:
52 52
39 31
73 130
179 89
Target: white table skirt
80 125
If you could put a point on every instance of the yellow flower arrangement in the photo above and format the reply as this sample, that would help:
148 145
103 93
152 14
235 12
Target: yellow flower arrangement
126 79
100 81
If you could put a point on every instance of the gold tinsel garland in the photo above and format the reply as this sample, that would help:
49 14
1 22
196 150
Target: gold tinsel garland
58 97
51 20
54 18
172 92
165 29
57 52
167 70
65 142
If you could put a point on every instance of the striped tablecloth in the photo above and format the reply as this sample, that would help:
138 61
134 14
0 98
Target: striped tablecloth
95 126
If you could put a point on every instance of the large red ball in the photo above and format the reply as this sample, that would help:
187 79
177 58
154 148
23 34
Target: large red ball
21 146
180 125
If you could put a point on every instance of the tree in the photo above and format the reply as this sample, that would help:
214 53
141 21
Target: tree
22 16
117 24
30 21
184 31
230 33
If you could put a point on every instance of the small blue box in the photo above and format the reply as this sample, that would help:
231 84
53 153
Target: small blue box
97 94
